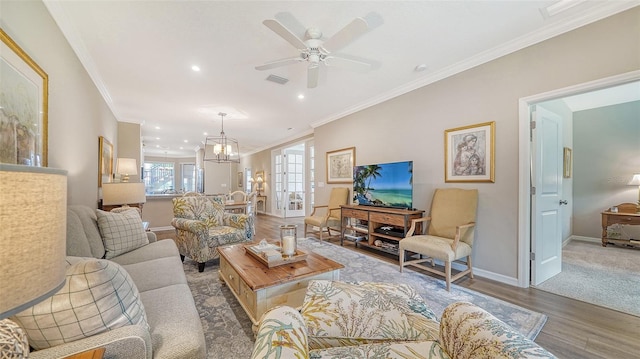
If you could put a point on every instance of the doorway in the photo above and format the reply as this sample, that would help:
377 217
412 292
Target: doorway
527 163
289 181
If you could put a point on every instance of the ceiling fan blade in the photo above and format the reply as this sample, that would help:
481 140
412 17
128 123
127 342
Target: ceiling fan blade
348 33
312 75
279 63
292 24
349 64
284 33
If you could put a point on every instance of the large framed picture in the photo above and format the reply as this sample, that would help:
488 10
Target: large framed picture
469 153
23 107
340 165
105 161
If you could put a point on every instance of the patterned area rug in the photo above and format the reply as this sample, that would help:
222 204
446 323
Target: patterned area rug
228 329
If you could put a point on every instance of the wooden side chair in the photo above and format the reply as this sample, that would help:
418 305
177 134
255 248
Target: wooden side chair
449 236
328 216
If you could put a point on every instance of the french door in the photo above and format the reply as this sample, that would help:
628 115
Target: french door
288 182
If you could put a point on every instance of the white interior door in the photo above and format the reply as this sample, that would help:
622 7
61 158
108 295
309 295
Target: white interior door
295 184
546 173
288 182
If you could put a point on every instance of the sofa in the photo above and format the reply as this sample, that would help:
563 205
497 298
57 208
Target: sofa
159 317
383 320
202 225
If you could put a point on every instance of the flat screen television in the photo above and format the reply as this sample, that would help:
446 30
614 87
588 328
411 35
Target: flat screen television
384 184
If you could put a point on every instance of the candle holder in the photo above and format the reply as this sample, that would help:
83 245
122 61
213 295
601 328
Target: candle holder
289 239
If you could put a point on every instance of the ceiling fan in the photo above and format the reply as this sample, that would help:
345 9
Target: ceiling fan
315 51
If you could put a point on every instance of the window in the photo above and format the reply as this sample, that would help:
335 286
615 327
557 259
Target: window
159 177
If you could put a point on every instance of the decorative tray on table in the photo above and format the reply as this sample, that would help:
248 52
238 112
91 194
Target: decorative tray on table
266 254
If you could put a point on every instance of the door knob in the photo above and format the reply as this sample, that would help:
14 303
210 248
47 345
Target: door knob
563 201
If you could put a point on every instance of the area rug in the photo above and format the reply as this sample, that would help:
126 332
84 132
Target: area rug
228 329
604 276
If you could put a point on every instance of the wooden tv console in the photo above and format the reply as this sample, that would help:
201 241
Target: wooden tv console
376 217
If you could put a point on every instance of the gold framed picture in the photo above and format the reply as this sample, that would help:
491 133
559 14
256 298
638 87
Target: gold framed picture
105 161
240 180
469 153
23 107
566 163
340 165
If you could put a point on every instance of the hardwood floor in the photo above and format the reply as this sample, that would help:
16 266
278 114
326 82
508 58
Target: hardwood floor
573 329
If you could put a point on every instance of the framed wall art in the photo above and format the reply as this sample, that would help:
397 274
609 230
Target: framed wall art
240 180
566 163
23 107
340 165
105 161
469 153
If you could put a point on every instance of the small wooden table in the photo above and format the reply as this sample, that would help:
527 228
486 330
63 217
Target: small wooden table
259 288
609 218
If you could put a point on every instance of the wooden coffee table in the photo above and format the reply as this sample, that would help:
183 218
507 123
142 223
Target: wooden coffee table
259 288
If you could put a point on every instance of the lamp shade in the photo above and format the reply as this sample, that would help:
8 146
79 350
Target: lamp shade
123 193
635 180
33 222
126 167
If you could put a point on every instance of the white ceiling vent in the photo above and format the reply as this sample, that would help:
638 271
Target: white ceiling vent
277 79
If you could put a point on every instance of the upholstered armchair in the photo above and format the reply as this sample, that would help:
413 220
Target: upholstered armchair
449 236
327 217
202 224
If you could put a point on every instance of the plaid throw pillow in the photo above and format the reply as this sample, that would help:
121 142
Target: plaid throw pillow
121 232
99 295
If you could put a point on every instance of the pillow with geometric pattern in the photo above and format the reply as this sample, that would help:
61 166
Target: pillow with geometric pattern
121 232
98 296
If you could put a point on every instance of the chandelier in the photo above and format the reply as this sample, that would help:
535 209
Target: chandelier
221 149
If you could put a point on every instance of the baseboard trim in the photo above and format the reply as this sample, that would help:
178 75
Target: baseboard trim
487 274
584 239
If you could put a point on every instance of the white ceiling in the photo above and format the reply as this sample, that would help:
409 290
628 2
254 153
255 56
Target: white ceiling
140 53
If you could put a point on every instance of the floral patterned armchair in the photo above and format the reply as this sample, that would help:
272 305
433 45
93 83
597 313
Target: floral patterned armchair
202 224
381 320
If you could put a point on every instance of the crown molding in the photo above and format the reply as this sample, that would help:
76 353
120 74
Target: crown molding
71 34
602 10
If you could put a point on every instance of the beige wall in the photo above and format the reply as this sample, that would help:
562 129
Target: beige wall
77 112
130 145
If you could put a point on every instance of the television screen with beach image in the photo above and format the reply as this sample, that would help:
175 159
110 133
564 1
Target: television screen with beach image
384 184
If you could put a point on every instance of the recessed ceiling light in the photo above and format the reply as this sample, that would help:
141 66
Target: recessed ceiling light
157 138
157 127
206 134
300 96
195 68
182 148
186 141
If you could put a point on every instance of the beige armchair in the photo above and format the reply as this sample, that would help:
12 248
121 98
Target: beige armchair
328 216
449 236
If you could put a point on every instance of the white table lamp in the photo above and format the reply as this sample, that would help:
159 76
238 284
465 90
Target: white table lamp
33 218
123 193
126 167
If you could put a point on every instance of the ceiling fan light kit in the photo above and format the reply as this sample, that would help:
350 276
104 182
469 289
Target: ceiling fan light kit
221 149
314 51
